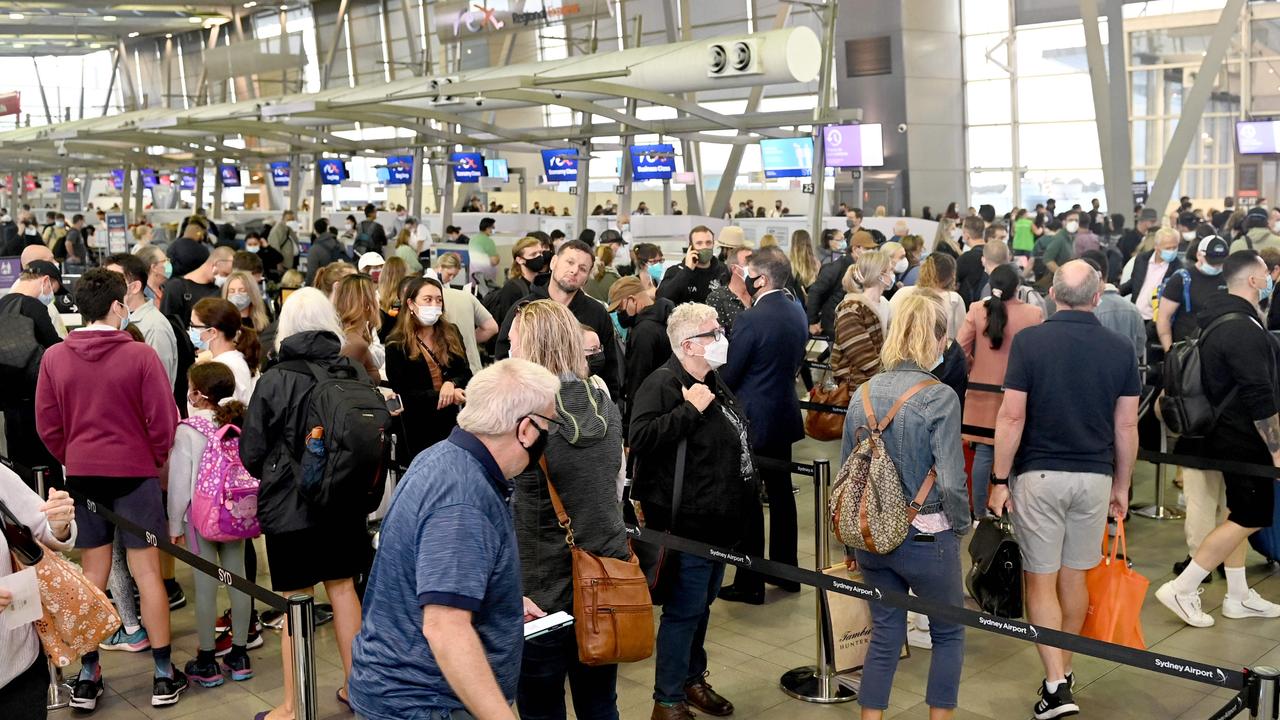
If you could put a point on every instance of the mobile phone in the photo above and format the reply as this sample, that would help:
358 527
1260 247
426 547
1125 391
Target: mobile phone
544 625
394 404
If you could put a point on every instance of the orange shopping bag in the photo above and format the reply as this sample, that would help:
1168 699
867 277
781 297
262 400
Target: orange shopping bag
1116 594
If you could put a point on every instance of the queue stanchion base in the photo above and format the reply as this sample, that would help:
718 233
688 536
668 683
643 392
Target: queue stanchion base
804 683
1158 512
59 694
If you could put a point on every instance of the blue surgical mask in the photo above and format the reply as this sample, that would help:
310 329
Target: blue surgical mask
124 321
168 269
1169 255
1211 270
655 272
1265 293
251 248
196 340
46 298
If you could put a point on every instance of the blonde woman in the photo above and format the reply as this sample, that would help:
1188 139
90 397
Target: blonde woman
241 291
603 276
427 365
937 275
923 438
407 249
862 320
584 445
804 264
357 308
944 239
767 239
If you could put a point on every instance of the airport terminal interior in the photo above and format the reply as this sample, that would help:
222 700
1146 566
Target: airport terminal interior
955 153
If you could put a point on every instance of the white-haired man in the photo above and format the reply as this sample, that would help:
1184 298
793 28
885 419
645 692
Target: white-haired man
442 634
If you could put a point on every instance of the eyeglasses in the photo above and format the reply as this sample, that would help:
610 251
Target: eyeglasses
551 424
716 334
201 328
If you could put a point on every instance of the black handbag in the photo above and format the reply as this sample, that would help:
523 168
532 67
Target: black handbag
995 579
653 557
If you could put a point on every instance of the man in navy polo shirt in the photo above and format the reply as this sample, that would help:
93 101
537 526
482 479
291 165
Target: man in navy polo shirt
443 614
1068 428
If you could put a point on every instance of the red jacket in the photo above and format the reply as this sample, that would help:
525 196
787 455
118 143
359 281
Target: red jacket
104 406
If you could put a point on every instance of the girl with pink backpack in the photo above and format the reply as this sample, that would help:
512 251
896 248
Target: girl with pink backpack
213 505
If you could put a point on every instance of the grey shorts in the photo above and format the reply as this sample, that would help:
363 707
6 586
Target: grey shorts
1059 518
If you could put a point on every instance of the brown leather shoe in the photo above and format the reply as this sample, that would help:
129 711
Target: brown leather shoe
679 711
700 695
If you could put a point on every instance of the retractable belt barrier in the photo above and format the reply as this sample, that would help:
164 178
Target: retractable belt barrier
1142 659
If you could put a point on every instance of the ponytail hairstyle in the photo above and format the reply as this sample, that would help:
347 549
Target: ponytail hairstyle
225 318
1004 287
215 382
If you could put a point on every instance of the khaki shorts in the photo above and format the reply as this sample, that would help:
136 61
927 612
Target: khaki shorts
1059 518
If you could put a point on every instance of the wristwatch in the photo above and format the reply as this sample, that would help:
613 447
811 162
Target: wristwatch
999 480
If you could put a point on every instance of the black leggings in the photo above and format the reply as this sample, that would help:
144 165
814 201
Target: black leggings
24 697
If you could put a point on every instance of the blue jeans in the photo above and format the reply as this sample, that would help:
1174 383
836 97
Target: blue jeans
682 629
546 661
983 457
932 570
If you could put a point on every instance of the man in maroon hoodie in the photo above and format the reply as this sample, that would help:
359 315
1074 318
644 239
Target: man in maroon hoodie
104 410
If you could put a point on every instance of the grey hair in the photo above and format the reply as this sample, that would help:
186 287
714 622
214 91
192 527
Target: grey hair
772 262
996 252
684 321
1076 296
308 310
504 393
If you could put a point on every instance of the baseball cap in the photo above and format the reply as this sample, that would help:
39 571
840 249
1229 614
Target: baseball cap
370 259
1148 214
44 268
1215 249
623 288
864 239
732 237
1257 217
1188 220
611 236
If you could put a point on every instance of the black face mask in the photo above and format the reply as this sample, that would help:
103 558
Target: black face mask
595 363
751 285
536 264
625 320
537 448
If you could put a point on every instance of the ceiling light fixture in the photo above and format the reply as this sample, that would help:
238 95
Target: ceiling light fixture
18 46
16 16
95 45
195 19
108 18
134 34
168 36
251 4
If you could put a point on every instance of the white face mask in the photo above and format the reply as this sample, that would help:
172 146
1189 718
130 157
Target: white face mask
351 226
1189 235
1071 226
294 225
1275 228
900 266
219 280
240 300
429 314
717 353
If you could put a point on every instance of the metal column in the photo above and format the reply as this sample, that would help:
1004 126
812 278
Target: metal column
584 181
199 203
295 182
317 193
126 189
302 632
1193 105
818 173
140 204
416 205
215 208
1103 120
1121 142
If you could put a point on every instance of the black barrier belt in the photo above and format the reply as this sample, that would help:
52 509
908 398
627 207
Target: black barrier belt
795 468
1234 706
1203 463
1141 659
224 576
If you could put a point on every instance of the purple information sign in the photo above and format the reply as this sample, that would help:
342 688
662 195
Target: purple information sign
10 268
841 146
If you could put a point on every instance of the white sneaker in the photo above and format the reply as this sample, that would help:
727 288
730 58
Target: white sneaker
1185 606
919 638
1253 606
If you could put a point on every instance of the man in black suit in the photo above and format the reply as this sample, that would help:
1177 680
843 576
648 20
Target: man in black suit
764 356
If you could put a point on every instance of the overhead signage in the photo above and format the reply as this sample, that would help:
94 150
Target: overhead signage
399 169
497 169
332 172
280 173
148 177
1257 137
57 183
561 165
849 146
652 162
473 18
467 167
71 202
1140 191
230 175
787 157
10 103
117 179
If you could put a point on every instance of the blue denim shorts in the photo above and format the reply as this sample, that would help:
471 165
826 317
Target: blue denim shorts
143 505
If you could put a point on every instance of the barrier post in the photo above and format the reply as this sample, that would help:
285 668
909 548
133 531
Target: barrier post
817 683
302 630
1158 511
1265 704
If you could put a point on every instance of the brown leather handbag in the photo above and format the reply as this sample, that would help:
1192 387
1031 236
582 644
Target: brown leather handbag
612 611
826 425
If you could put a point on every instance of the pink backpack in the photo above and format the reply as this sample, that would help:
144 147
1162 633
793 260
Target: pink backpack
224 500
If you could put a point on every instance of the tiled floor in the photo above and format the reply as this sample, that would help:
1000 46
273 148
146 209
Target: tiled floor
750 648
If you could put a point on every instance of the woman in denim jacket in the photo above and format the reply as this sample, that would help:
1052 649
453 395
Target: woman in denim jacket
924 434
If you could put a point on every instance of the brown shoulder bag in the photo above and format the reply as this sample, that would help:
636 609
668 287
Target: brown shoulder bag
612 611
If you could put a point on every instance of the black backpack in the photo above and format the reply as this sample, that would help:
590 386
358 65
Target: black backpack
20 352
364 238
1184 406
344 468
186 358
